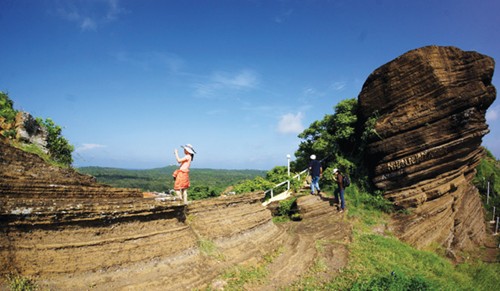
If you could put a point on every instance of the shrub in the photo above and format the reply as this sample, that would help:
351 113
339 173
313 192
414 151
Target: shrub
286 207
59 148
6 108
257 184
20 283
393 281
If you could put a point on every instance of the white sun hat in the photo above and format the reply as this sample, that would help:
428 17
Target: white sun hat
189 148
313 157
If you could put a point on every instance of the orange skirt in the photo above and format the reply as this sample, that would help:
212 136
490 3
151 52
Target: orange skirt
181 179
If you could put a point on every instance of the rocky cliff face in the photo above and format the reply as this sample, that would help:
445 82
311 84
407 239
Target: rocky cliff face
430 106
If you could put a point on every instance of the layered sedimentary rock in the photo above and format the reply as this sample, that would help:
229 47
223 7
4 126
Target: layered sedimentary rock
429 105
75 234
25 175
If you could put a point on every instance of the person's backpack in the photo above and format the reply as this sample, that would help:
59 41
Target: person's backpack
346 181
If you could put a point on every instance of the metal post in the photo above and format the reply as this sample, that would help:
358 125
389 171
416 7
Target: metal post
288 158
488 194
496 228
288 185
493 219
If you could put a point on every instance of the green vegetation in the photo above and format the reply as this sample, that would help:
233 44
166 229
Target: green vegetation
205 183
331 138
59 149
21 283
7 116
287 210
377 260
273 177
384 263
489 171
236 277
257 184
209 249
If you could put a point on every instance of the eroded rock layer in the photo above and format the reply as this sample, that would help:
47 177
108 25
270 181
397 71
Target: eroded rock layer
430 105
75 234
25 175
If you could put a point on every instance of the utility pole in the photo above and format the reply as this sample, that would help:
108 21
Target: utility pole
288 157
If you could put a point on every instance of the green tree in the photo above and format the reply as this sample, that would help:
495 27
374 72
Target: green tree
331 139
59 148
339 140
7 114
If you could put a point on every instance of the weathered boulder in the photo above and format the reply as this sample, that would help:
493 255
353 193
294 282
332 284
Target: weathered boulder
429 105
28 130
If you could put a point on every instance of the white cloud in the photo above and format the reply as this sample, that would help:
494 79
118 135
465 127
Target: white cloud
492 114
283 16
88 147
310 92
88 15
241 80
338 86
220 81
88 24
148 60
291 123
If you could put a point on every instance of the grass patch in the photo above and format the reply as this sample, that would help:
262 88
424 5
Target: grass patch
385 263
21 283
209 248
34 149
237 277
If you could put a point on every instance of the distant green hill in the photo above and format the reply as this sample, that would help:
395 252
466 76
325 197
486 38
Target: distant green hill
204 182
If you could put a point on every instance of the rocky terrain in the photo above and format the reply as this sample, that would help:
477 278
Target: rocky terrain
74 234
430 105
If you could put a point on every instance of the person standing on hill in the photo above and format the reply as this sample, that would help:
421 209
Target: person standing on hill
316 171
339 178
181 175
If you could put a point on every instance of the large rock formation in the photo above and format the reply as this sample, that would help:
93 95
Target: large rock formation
430 105
70 230
75 234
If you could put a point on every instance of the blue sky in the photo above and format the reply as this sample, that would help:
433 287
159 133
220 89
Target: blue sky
131 80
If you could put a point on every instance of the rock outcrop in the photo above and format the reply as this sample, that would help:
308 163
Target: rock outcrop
28 130
69 230
27 176
430 105
72 233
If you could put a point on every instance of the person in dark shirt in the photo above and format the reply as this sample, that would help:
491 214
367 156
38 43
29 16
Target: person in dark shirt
316 171
340 189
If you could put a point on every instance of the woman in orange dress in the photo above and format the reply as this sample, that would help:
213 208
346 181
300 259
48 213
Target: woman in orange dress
181 175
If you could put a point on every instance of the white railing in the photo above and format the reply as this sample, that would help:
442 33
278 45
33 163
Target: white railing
283 183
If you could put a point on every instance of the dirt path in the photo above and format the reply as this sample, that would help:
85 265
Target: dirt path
315 247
